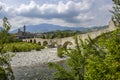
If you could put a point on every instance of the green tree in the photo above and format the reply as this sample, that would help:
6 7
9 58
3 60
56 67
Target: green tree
5 67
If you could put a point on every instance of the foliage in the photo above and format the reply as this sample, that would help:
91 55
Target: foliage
59 34
97 59
77 61
116 11
5 37
21 47
61 49
6 72
5 67
111 43
60 52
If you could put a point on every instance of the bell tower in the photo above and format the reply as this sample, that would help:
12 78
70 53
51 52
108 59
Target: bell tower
24 29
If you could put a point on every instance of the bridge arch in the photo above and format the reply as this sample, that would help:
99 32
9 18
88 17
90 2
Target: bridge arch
67 43
53 44
34 41
39 43
45 43
30 40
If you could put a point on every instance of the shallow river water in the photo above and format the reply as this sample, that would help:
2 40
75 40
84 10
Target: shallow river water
35 72
33 65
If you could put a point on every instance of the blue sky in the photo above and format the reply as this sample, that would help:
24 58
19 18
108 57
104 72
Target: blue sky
77 13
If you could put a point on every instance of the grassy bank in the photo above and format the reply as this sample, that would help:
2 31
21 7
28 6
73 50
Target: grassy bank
21 47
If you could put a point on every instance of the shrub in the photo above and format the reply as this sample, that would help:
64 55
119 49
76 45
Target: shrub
90 61
21 47
60 52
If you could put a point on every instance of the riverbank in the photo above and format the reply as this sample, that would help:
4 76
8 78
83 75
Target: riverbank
33 65
35 72
35 57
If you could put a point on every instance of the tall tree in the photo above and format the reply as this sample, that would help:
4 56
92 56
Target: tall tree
5 67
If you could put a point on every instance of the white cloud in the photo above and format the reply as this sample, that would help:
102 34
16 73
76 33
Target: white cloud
51 11
67 13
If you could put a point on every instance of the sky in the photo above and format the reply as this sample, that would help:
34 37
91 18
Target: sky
69 13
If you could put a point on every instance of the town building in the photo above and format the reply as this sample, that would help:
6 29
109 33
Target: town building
24 34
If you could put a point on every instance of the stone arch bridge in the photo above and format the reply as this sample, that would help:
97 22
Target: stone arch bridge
64 41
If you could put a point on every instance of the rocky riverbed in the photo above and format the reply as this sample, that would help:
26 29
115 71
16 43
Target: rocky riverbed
33 65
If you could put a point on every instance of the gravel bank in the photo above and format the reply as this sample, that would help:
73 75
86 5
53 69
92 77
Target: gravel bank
33 65
35 57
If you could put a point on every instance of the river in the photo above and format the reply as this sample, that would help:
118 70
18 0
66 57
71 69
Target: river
33 65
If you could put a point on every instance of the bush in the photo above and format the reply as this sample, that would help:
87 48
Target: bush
60 52
2 74
21 47
92 60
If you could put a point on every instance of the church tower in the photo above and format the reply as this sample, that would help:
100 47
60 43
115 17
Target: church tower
24 29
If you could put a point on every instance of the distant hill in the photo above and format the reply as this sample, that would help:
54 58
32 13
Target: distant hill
50 27
47 28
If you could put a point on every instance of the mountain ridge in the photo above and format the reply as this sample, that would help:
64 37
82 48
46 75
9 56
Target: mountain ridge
50 27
